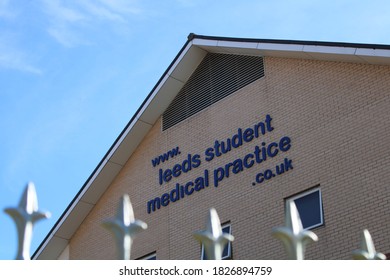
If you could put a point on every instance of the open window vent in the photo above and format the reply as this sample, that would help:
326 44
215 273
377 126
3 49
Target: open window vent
217 76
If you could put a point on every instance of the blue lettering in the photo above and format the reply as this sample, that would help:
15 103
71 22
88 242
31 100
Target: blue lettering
160 176
202 182
268 120
237 166
176 170
275 152
280 169
209 153
288 164
268 174
260 154
187 164
248 134
219 173
174 194
259 178
196 161
237 139
164 157
251 162
189 192
165 199
285 144
216 148
167 175
153 204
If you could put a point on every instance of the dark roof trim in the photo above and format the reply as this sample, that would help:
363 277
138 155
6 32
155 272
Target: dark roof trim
192 36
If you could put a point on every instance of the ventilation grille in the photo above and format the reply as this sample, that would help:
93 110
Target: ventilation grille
217 76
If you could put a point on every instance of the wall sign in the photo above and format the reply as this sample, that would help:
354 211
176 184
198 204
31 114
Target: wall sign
216 176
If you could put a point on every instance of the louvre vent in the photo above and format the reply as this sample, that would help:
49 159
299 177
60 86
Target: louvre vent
217 76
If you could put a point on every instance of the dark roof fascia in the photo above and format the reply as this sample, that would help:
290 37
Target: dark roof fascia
292 42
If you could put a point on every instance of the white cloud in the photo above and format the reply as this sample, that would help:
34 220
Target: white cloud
101 12
61 20
12 56
71 20
60 13
16 59
122 6
66 36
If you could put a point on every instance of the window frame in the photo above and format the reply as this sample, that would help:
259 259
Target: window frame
229 255
149 257
321 209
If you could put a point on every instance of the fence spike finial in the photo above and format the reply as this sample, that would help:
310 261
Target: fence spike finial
367 250
293 236
212 238
25 216
124 227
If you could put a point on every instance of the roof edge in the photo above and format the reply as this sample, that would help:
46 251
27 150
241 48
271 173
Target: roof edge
193 36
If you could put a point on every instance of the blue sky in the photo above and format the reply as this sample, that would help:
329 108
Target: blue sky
73 73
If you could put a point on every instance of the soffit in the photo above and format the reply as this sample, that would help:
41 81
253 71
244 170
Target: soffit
332 52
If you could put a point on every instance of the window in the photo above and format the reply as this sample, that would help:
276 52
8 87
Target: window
151 256
227 251
309 205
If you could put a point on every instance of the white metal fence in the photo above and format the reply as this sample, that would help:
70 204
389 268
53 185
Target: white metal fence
125 227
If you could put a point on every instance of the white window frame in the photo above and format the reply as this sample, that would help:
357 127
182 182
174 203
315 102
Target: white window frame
303 194
229 245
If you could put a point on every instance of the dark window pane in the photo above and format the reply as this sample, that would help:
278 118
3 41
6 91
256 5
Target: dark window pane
226 251
309 208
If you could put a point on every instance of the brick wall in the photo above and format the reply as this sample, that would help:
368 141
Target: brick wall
337 116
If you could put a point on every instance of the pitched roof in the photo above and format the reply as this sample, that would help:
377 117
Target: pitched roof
162 94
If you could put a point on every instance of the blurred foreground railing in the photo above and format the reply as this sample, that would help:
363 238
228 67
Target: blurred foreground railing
125 227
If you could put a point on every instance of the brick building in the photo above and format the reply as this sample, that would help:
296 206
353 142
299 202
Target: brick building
244 125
